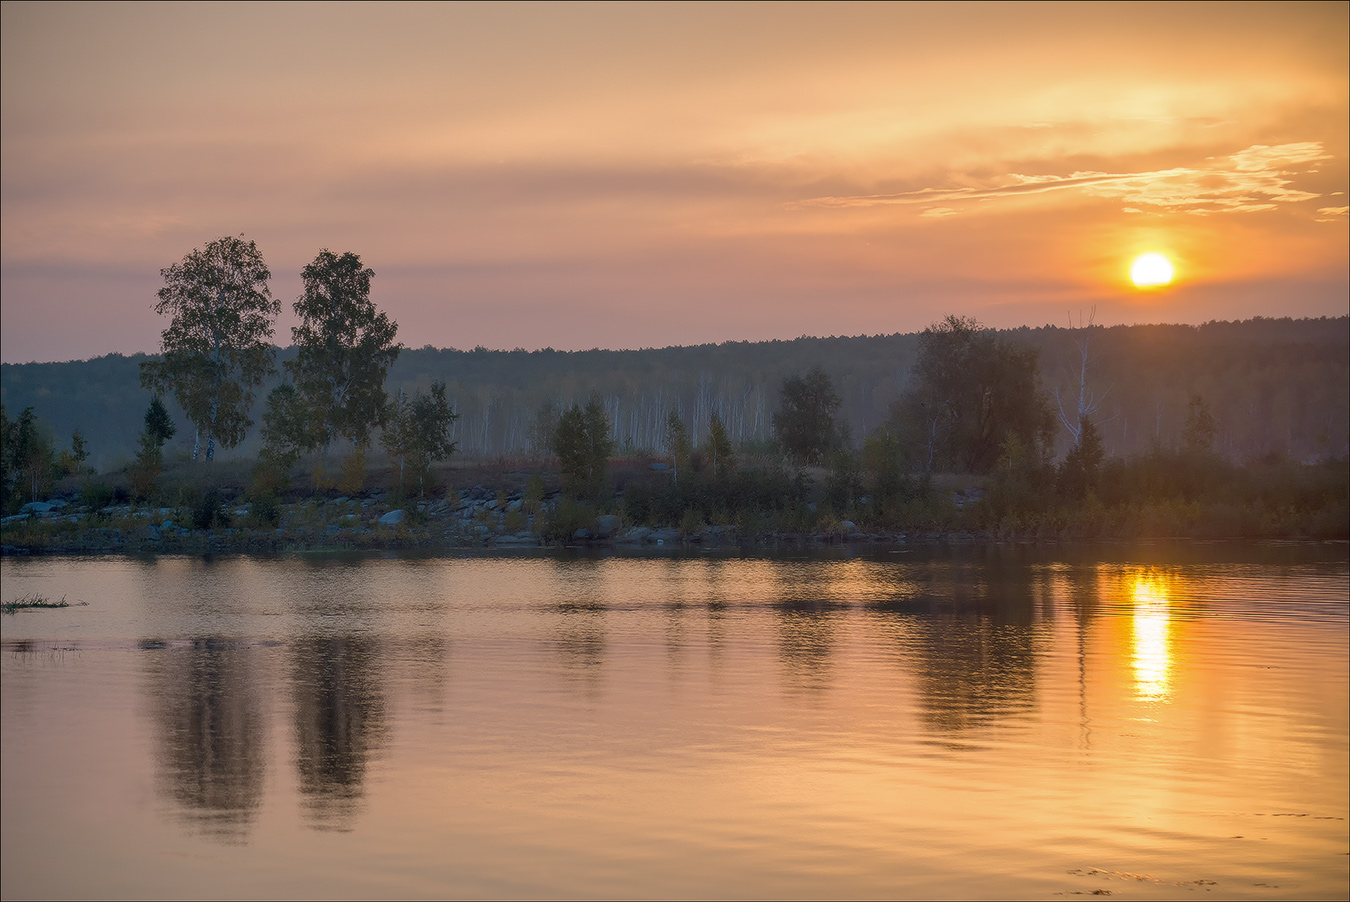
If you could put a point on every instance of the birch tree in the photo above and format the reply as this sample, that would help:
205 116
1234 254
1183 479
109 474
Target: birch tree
719 446
344 345
1087 402
677 443
217 348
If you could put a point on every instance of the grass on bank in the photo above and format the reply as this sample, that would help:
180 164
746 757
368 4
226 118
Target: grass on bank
36 600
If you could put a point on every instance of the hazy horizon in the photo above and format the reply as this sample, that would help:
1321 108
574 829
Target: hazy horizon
642 175
1076 323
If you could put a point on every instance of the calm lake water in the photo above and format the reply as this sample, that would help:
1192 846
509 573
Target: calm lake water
1153 721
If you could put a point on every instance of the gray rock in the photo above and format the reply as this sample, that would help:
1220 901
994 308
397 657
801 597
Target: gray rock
167 524
664 536
607 525
848 526
35 507
393 518
660 467
582 533
514 506
519 538
637 535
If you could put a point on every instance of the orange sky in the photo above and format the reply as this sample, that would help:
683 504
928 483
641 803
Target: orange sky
643 175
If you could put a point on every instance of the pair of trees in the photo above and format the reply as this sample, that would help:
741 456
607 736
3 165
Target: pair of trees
719 451
217 351
584 443
417 432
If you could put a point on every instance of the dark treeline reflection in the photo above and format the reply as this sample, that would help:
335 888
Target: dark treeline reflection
339 722
579 633
212 737
973 637
805 642
806 602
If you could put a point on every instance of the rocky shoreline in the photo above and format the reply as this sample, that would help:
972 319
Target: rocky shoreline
479 520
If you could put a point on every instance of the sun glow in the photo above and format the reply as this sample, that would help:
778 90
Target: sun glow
1151 271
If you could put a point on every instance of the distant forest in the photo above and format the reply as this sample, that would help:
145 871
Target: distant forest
1274 386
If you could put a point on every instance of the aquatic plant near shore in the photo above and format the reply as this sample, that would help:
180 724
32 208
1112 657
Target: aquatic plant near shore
36 600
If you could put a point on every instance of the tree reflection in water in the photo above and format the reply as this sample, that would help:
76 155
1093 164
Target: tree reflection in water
805 643
212 742
339 722
581 641
975 647
579 632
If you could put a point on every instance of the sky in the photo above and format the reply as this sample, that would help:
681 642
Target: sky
624 176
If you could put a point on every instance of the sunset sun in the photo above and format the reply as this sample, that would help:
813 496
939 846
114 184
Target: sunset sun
1151 271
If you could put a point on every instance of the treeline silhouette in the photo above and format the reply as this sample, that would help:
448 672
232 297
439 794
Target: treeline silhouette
1273 386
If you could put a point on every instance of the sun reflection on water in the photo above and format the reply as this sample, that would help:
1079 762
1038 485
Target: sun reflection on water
1152 648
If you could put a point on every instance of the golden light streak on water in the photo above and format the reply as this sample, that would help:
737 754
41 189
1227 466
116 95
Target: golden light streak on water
1152 640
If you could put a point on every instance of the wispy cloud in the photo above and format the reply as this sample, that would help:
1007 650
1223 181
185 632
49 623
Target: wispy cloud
1257 178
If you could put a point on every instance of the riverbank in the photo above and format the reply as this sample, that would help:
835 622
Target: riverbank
481 519
372 524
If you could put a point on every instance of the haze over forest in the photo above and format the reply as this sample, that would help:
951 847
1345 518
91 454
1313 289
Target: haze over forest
1275 386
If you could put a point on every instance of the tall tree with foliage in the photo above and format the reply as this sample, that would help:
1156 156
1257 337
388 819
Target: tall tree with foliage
79 450
677 443
159 428
27 454
417 432
719 447
288 426
806 420
344 348
1080 471
9 437
584 445
1197 436
158 424
971 390
217 348
884 462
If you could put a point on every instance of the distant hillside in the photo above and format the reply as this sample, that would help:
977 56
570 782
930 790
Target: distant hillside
1274 385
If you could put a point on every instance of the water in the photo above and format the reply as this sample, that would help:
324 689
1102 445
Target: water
1157 722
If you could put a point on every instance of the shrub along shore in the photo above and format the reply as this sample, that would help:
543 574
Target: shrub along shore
519 504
